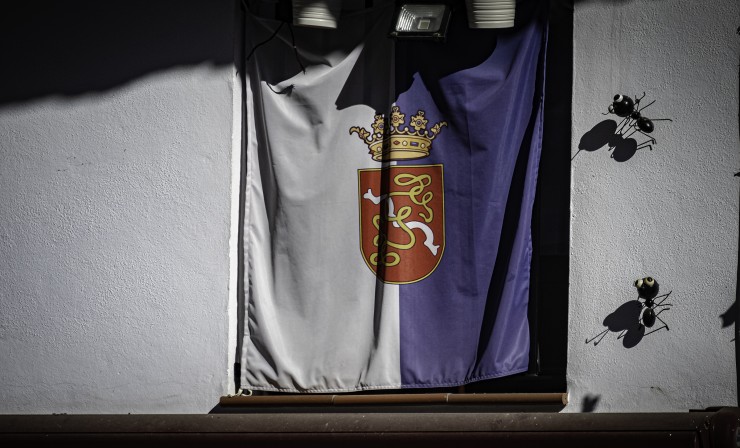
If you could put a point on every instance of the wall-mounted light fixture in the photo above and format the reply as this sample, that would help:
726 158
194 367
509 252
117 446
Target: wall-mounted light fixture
421 21
316 13
491 13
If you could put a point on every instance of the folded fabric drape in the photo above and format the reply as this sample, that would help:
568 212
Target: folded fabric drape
389 193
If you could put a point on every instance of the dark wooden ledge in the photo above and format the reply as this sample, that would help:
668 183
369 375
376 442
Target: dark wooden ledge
376 430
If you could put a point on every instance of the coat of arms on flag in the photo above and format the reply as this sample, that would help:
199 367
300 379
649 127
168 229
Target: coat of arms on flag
401 206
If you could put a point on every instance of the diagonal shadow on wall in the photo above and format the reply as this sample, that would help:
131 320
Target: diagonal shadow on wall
78 46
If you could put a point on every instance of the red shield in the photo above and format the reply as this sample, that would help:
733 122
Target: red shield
402 221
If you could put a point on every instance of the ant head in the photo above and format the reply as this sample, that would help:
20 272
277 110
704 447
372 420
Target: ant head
647 288
622 105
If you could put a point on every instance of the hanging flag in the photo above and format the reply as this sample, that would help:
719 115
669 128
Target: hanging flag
389 192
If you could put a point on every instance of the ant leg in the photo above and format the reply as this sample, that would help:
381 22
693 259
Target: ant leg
664 309
664 296
634 128
646 106
665 324
602 334
637 102
645 134
646 143
625 122
657 329
630 134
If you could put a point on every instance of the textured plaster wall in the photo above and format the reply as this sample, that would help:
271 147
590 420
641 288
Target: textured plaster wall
671 212
115 210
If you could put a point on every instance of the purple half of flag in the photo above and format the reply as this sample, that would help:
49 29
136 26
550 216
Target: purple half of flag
467 321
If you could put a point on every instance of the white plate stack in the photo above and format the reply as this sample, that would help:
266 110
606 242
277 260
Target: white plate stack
316 13
490 13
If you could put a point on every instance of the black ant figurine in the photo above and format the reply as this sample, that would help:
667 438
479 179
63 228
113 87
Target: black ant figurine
631 113
632 318
647 289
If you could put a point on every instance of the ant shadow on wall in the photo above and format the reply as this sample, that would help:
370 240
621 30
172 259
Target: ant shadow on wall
619 136
635 319
729 317
590 402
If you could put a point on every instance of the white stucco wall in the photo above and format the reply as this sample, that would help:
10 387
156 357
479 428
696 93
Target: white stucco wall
115 210
671 213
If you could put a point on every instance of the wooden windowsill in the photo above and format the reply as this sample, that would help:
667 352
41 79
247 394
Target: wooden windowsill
556 399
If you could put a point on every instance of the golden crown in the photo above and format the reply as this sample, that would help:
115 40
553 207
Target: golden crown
399 142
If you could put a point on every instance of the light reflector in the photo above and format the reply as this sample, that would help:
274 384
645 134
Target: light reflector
316 13
491 13
424 18
421 21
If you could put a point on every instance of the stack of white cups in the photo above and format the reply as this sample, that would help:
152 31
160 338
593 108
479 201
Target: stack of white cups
490 13
316 13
